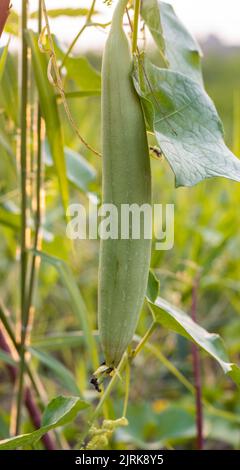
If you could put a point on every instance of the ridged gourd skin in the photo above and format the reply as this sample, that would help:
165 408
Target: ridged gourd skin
124 264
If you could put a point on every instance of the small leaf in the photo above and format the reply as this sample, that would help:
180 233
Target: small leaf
186 125
152 287
182 52
82 72
176 320
60 411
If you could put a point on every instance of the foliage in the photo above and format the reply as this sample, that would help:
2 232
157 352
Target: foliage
64 348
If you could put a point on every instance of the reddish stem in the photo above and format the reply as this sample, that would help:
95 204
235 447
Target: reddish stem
197 372
35 415
4 12
29 401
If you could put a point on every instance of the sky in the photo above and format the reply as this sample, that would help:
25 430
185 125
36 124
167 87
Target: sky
202 18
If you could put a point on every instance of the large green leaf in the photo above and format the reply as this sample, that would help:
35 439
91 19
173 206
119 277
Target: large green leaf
152 287
176 320
58 369
176 44
185 123
60 411
49 110
79 171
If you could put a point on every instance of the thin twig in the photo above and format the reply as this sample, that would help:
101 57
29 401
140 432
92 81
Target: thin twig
137 52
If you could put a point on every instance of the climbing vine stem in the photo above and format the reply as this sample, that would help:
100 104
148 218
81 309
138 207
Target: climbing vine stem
137 6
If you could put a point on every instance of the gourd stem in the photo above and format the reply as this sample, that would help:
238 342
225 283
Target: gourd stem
144 339
117 18
117 375
137 7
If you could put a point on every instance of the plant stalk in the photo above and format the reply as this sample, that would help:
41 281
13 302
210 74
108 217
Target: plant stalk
23 161
144 339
